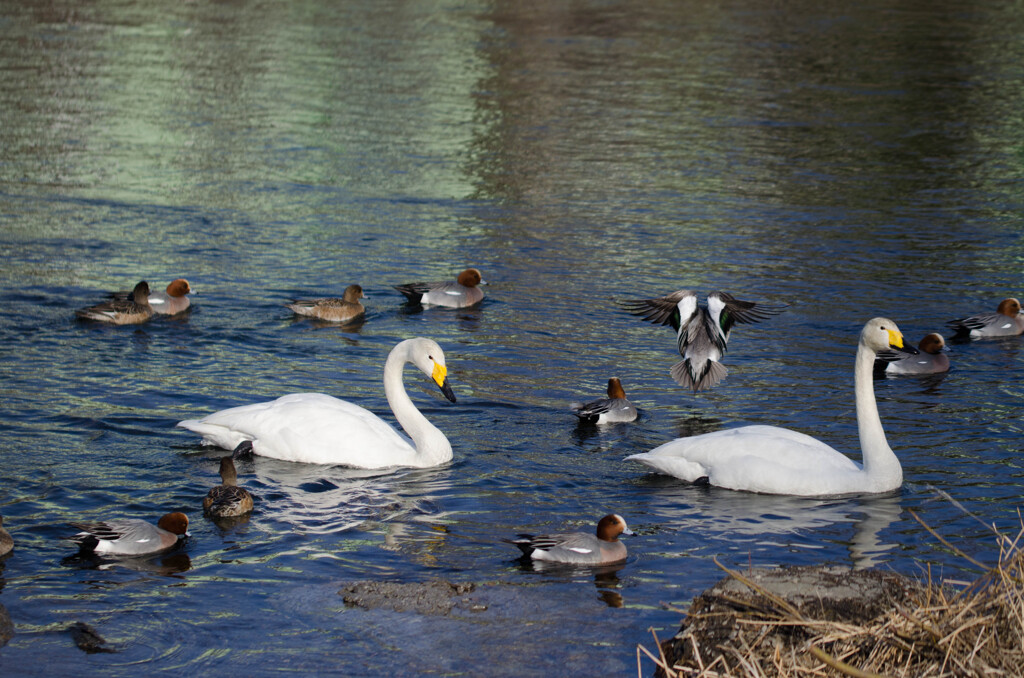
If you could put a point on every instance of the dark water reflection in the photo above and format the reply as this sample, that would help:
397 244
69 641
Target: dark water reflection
848 160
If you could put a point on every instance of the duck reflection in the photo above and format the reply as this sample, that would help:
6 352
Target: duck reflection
605 577
352 326
585 431
167 565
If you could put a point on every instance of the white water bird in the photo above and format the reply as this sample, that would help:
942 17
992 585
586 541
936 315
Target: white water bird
316 428
702 332
776 460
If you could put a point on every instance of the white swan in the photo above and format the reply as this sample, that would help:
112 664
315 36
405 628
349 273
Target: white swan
319 429
776 460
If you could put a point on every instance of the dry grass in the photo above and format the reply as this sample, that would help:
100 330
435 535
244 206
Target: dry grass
974 630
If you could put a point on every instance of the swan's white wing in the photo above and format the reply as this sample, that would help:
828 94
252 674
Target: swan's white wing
308 427
758 459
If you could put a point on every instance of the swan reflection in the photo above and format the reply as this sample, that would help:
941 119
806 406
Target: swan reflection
761 518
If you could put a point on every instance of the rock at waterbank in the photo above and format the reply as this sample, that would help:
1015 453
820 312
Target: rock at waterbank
830 621
756 616
428 598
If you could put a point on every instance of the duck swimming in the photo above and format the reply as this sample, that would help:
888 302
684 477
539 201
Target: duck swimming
132 310
702 332
461 293
578 548
316 428
615 408
1007 321
930 360
227 500
172 301
131 537
343 310
775 460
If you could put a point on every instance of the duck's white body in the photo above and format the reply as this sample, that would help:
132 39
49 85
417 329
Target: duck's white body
776 460
316 428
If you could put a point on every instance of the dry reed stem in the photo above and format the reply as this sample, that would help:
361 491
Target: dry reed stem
975 631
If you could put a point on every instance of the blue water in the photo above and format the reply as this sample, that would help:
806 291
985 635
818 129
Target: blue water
850 161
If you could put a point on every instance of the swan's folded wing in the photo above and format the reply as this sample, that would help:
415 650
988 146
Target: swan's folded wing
752 458
308 427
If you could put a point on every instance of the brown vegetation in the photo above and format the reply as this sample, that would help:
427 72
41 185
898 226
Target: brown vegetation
923 628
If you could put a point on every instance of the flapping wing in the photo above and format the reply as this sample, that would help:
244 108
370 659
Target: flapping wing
727 310
665 310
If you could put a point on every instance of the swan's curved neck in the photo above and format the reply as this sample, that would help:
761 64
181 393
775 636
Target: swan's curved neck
432 447
880 463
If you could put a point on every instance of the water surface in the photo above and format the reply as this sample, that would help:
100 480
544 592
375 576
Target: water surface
850 161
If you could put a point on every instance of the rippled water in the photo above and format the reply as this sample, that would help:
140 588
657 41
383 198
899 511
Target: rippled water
850 161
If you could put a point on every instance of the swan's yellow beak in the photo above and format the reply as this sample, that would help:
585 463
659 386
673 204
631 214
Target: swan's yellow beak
440 377
440 374
895 339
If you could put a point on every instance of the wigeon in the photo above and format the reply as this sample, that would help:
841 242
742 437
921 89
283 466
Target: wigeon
1007 321
702 332
130 536
578 548
333 309
173 300
132 310
227 500
930 360
459 294
614 408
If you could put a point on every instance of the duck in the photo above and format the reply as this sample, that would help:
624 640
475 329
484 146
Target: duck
775 460
316 428
131 536
461 293
930 360
6 542
132 310
227 500
1007 321
578 548
702 331
332 309
172 301
615 408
